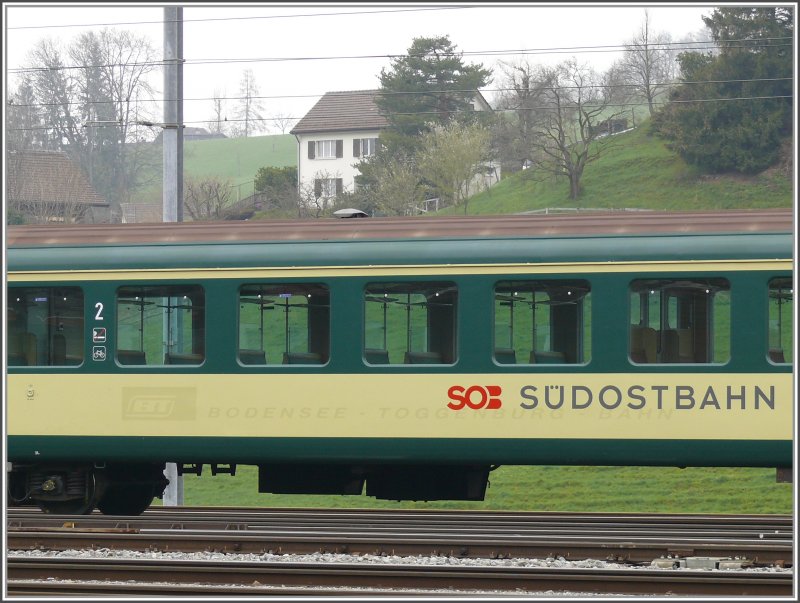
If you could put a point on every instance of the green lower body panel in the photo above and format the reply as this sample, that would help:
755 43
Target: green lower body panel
366 451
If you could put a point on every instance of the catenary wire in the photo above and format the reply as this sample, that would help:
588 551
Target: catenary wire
400 93
514 110
208 19
704 45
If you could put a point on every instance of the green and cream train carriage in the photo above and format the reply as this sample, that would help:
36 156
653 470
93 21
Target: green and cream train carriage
403 358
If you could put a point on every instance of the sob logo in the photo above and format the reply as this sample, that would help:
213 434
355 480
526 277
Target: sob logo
475 397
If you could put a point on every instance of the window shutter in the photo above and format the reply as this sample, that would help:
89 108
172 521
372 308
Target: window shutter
339 149
311 149
356 147
339 187
317 188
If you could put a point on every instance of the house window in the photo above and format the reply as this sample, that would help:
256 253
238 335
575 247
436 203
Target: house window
364 147
328 187
325 149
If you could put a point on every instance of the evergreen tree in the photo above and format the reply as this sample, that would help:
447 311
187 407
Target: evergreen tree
743 95
431 84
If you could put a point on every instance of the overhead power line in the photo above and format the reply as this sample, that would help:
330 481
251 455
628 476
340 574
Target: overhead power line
685 46
401 93
413 113
207 19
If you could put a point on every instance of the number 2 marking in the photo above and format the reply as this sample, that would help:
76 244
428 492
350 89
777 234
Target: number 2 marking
99 315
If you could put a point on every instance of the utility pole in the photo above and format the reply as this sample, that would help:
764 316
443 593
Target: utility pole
172 140
173 114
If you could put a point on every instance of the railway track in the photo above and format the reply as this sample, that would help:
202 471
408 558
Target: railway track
261 577
633 539
438 553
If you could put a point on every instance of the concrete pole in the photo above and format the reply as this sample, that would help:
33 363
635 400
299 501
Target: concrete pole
173 114
172 140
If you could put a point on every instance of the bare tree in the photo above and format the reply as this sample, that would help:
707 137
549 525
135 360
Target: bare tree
648 64
283 122
207 199
577 101
522 94
701 40
24 129
219 121
52 90
90 112
451 157
309 204
318 197
397 189
250 106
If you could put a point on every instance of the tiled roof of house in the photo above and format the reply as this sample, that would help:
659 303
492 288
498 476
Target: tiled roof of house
48 176
337 111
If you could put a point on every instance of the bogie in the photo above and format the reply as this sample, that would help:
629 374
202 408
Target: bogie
79 489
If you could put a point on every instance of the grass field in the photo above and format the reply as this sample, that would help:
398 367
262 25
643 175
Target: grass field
638 172
229 159
562 489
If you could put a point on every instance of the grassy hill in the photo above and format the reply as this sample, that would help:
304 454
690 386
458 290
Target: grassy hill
234 159
639 172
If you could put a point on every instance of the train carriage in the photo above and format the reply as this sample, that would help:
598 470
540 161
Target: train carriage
401 358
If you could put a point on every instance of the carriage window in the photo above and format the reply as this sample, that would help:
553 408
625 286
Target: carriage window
542 322
45 326
781 295
284 324
680 320
160 324
410 323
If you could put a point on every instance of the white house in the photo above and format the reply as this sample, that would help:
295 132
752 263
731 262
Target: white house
333 137
338 131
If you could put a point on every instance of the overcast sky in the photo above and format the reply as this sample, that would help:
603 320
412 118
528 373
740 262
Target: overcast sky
320 38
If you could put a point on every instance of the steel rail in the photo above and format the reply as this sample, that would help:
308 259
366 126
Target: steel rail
630 550
38 588
680 582
479 535
244 518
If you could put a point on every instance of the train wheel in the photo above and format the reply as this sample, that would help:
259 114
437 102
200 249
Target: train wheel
126 499
74 506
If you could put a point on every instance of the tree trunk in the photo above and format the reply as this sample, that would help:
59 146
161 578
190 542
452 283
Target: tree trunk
574 186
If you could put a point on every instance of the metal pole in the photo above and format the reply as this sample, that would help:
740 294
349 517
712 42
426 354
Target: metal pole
172 139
